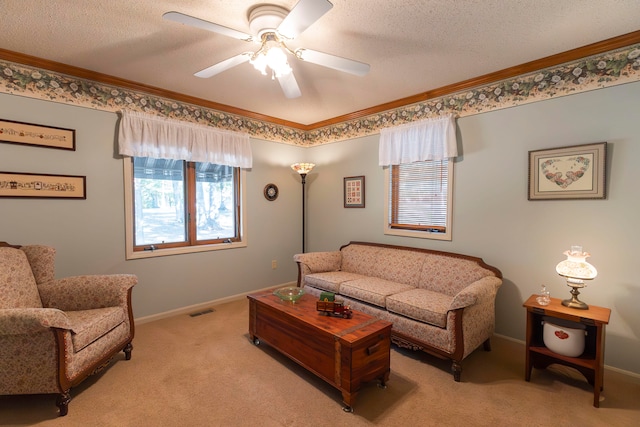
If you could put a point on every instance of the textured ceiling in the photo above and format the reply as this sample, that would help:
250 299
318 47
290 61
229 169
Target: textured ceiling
412 46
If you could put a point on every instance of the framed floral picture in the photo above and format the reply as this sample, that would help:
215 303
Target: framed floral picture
574 172
354 192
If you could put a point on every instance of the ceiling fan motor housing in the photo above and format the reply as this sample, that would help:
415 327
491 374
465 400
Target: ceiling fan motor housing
266 18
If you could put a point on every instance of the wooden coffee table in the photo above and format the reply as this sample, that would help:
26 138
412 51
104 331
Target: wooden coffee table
344 352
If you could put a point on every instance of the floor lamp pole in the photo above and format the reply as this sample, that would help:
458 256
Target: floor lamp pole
303 175
303 169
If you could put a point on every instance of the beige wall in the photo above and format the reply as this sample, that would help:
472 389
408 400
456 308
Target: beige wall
492 217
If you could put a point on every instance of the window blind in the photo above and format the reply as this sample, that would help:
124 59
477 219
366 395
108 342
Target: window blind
419 196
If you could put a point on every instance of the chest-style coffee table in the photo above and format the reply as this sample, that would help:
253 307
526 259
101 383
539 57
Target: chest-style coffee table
344 352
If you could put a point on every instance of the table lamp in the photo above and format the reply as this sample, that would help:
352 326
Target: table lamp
576 269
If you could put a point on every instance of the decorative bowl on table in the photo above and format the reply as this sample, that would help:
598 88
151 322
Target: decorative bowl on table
289 293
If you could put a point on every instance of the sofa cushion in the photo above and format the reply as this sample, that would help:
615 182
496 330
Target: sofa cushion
18 287
42 260
421 304
372 289
330 281
448 274
89 325
359 258
398 266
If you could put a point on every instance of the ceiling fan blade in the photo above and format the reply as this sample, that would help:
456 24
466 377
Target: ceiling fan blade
206 25
331 61
289 86
303 14
224 65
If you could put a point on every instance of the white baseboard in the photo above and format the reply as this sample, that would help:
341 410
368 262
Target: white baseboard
204 305
610 368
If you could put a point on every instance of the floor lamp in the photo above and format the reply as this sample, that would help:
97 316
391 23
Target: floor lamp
303 169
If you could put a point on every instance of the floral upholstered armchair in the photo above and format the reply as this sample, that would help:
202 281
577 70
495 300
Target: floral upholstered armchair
54 333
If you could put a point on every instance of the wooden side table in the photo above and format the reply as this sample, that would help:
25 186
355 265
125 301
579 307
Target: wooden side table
590 363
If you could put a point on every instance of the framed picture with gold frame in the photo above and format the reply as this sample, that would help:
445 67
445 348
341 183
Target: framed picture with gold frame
573 172
29 185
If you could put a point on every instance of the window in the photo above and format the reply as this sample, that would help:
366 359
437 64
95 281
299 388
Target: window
419 199
176 206
184 185
418 160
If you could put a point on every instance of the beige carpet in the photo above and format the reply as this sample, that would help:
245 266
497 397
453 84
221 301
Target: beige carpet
204 371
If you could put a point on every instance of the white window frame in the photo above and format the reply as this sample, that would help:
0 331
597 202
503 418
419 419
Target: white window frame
129 222
447 235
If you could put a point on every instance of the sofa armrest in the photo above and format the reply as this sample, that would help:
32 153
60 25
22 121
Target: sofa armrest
87 292
17 321
478 291
317 262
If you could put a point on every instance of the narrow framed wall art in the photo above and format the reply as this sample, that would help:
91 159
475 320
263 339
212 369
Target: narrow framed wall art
354 192
29 185
38 135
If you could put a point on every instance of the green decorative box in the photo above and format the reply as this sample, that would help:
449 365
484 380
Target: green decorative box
327 296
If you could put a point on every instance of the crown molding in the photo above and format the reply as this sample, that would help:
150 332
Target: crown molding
82 73
608 45
606 63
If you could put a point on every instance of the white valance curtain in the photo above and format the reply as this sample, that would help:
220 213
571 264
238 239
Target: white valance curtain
431 139
145 135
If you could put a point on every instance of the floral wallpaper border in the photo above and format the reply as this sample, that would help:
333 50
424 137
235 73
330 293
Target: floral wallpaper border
612 68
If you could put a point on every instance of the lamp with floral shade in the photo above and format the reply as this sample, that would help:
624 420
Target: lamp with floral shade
576 269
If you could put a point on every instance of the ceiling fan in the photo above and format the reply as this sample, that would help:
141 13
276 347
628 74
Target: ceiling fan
271 26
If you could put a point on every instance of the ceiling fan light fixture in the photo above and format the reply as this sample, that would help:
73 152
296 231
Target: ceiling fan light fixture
271 54
259 62
274 58
277 61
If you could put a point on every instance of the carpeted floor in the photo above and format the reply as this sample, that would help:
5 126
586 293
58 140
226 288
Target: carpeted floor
204 371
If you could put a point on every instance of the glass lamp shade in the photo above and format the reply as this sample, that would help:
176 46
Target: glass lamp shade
576 269
277 61
576 266
271 54
303 168
274 58
259 62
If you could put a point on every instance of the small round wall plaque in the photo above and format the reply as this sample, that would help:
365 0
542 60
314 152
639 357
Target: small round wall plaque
271 192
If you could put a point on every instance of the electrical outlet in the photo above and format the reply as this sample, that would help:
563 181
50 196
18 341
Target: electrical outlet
274 264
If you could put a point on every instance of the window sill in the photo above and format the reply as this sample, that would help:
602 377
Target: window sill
184 250
417 234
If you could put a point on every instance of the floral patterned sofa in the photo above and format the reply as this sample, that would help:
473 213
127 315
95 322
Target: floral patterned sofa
54 333
439 302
